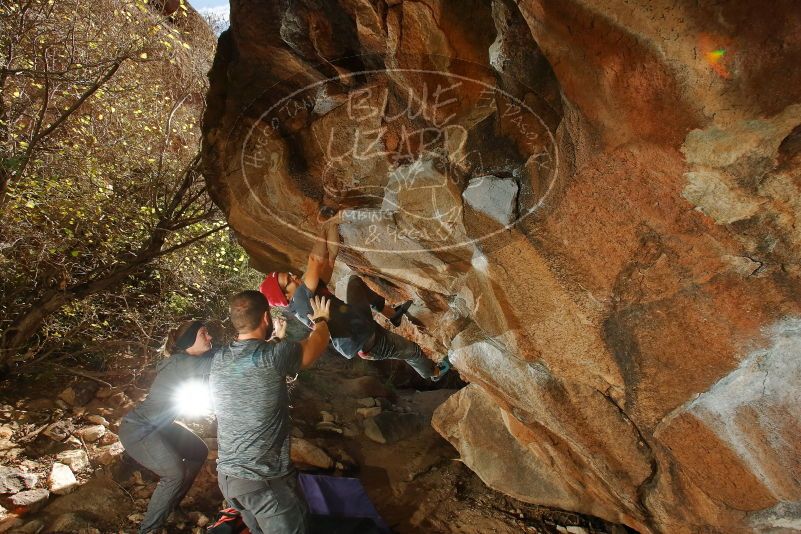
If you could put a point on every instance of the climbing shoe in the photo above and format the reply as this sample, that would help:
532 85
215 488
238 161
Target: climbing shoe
326 213
443 367
400 311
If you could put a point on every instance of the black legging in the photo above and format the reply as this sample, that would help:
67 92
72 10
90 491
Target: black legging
362 298
176 455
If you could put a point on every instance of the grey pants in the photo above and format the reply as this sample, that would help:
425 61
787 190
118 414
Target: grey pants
176 455
386 344
274 506
389 345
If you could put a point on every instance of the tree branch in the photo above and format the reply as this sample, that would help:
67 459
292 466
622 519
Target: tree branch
167 134
75 105
191 241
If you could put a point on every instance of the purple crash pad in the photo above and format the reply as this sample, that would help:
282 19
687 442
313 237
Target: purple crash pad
339 497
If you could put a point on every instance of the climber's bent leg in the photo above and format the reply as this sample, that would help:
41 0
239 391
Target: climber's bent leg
362 298
389 345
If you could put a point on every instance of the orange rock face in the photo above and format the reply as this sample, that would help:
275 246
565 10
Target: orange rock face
596 207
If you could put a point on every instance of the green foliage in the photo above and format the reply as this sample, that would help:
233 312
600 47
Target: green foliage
99 134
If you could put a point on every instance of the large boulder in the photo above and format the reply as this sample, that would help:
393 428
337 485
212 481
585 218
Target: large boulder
596 207
535 464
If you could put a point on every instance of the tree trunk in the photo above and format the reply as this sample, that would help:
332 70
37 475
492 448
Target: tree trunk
5 172
5 178
26 326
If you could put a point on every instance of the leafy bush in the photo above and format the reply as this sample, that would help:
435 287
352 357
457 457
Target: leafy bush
107 233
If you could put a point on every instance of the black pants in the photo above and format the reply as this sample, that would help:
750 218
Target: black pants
361 298
176 455
274 506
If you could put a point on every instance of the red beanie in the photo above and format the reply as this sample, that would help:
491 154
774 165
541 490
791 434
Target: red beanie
270 289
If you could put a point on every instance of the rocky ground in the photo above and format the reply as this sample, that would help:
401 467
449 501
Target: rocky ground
64 470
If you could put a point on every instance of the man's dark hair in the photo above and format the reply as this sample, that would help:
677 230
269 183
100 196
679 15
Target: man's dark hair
246 310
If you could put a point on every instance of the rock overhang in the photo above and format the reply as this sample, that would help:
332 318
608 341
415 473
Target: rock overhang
620 217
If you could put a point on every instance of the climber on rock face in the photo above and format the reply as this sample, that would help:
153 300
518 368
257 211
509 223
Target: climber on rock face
354 332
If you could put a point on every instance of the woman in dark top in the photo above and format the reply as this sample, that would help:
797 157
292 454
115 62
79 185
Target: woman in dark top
149 432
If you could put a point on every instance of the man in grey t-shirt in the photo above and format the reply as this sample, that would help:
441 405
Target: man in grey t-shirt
248 388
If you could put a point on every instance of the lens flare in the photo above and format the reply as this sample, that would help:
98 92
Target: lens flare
715 55
193 399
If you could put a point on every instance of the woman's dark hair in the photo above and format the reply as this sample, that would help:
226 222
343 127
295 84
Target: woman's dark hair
183 337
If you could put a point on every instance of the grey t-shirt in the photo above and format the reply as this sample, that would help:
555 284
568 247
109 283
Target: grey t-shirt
349 329
249 395
159 408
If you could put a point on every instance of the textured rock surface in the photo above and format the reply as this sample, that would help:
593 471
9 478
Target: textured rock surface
28 501
13 480
61 480
632 338
100 502
307 453
77 460
92 433
389 427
